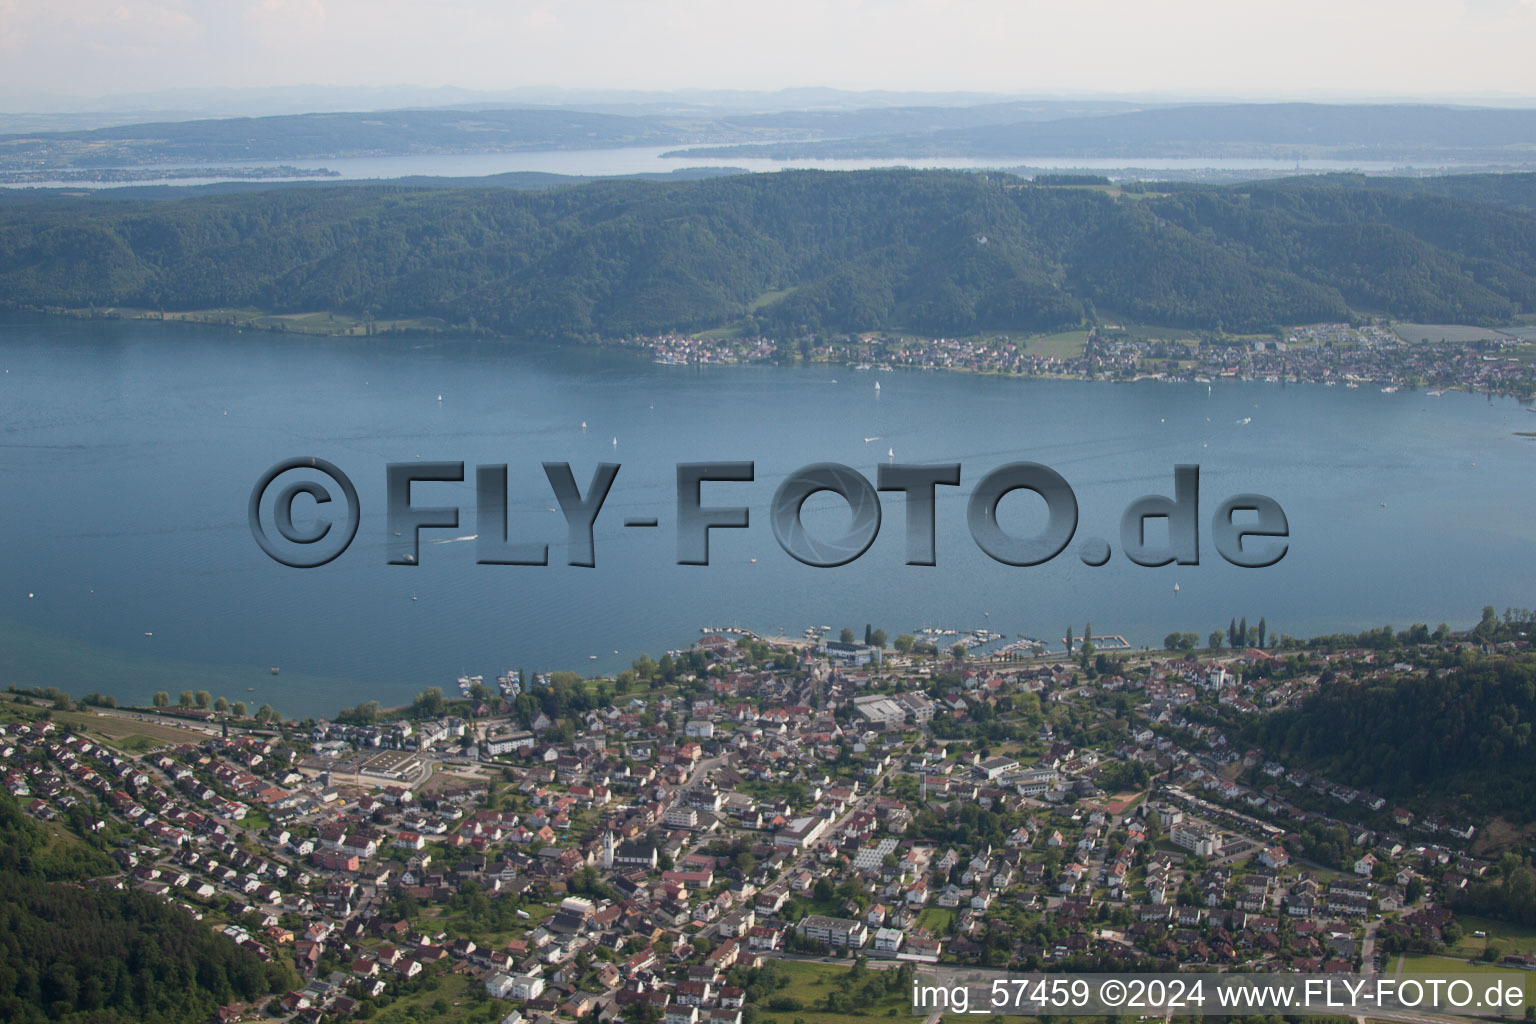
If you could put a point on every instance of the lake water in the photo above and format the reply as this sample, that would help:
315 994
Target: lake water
128 452
650 160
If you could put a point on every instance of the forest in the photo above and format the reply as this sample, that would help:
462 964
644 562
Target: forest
93 953
793 253
1459 736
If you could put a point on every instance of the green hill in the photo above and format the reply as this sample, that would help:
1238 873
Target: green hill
942 252
1459 739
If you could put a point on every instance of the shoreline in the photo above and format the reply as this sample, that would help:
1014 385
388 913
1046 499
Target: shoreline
344 326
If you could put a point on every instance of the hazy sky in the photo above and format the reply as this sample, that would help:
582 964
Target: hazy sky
1300 48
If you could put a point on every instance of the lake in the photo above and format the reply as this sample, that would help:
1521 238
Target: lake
128 452
650 160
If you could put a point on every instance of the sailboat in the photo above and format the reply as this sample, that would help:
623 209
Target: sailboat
890 453
877 385
1175 588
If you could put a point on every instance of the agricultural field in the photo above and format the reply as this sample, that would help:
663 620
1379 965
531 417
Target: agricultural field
1062 344
1416 334
130 735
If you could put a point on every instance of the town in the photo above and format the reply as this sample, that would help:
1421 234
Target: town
1352 355
749 829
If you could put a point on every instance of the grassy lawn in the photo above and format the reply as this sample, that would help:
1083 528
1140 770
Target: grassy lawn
811 981
936 920
448 1000
1511 938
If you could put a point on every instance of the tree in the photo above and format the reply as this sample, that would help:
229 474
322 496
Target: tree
1263 629
1242 630
846 636
221 706
904 643
1180 641
1215 639
429 703
265 714
187 698
1069 639
958 651
1232 640
878 638
204 699
239 709
161 699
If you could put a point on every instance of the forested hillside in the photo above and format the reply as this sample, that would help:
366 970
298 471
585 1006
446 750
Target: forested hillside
1460 737
941 252
90 952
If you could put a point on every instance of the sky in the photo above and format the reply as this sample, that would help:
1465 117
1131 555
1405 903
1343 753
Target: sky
1302 49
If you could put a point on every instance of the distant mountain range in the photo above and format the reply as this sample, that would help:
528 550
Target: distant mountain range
1282 131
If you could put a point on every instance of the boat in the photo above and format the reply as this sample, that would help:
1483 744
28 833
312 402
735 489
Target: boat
146 634
274 670
583 424
877 385
439 398
1389 389
890 453
1175 588
615 442
1435 393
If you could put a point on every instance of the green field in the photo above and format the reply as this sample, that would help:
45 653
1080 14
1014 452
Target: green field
319 323
810 983
1444 966
128 735
449 999
1415 334
1062 344
1510 938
